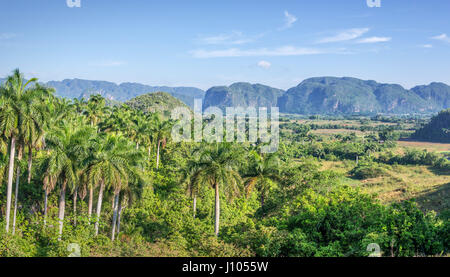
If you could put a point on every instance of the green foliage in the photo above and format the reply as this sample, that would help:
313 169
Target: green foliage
368 169
159 102
121 160
437 130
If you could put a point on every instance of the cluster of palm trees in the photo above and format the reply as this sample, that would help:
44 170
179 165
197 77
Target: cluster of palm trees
220 166
85 148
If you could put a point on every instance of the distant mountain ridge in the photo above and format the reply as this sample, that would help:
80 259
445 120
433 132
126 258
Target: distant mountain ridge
319 95
332 95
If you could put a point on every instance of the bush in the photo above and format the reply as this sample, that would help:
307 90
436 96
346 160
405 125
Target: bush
366 170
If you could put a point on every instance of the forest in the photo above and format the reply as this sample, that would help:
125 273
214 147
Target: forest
110 179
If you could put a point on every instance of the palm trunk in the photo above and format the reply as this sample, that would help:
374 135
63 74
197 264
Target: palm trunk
194 205
30 163
157 156
62 206
116 204
217 211
118 217
262 200
75 198
16 198
10 181
45 207
99 207
91 197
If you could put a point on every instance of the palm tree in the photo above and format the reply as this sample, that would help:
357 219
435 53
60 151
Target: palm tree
94 109
190 176
162 132
110 163
18 103
217 165
31 131
34 127
68 150
264 171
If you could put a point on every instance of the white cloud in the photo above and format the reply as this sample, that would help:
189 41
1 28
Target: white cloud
7 36
427 46
374 40
234 38
442 37
264 64
289 20
345 35
235 52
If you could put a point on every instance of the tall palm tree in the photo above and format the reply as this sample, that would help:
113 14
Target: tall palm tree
264 171
31 131
217 165
190 176
18 103
94 109
68 150
110 162
59 111
162 132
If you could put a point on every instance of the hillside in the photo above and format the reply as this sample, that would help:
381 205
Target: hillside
161 102
331 95
242 95
437 95
438 130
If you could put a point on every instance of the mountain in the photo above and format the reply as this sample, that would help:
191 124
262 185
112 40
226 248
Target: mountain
161 102
320 95
242 95
437 95
438 130
77 88
331 95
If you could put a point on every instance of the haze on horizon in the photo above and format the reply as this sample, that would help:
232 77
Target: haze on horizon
208 43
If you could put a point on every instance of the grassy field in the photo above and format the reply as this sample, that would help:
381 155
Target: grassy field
429 146
429 188
330 132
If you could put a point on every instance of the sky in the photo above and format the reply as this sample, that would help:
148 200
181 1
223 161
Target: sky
205 43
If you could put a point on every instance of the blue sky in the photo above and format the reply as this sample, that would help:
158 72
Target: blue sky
204 43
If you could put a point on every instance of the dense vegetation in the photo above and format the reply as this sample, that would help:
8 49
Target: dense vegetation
159 102
437 130
111 180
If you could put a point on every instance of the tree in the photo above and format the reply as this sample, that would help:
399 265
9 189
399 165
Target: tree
264 171
94 109
217 165
19 108
162 132
109 165
190 176
68 149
